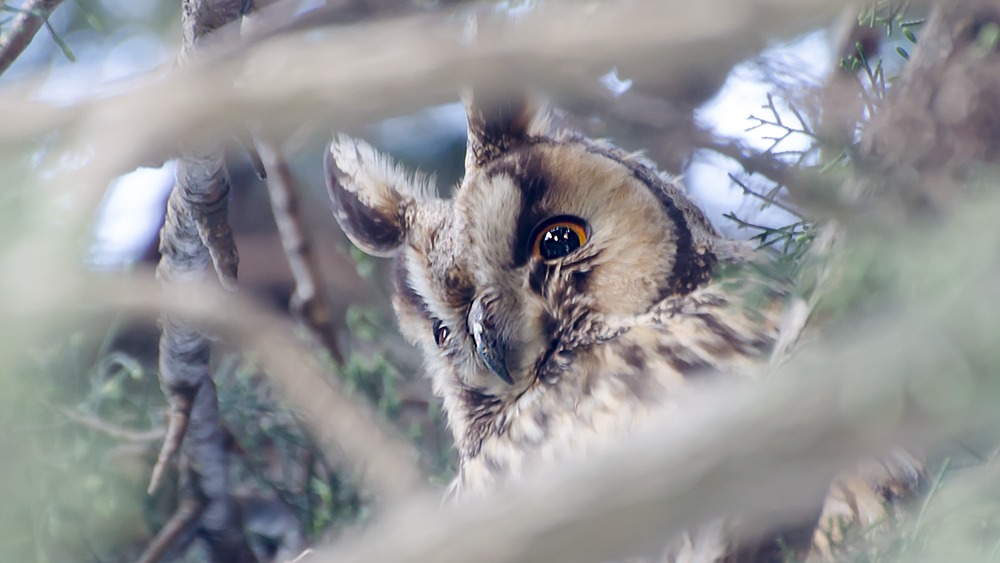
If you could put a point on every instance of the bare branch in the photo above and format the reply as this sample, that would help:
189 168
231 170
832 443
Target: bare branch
187 513
308 302
768 459
33 15
765 164
100 425
768 199
196 230
766 452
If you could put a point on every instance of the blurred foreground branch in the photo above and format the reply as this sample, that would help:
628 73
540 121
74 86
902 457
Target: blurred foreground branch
354 75
338 424
766 452
941 115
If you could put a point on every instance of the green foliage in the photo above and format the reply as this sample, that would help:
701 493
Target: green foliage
888 13
374 379
793 242
71 490
364 322
365 264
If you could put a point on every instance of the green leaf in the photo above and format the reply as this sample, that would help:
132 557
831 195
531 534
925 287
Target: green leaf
92 17
62 44
988 37
902 53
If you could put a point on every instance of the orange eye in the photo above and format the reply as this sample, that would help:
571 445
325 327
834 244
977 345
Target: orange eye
559 237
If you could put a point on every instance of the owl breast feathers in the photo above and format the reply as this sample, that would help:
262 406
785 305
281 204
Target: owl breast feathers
563 295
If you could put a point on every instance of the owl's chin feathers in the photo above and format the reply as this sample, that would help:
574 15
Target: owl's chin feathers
623 373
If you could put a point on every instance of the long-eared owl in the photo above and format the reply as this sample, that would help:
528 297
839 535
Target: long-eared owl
562 295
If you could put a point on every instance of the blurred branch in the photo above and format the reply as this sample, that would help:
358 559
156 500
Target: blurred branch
766 452
371 71
30 18
308 302
939 116
766 456
187 513
106 427
342 428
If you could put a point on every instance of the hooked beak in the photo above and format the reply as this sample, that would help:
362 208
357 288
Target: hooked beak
490 348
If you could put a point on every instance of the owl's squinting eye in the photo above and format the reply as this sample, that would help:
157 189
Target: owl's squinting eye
559 237
441 332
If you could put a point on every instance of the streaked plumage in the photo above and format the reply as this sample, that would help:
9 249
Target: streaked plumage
537 359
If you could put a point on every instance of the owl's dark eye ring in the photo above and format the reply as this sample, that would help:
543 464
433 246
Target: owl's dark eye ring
558 237
441 332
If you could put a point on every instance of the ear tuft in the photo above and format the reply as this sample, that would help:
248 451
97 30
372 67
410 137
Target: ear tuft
497 123
371 195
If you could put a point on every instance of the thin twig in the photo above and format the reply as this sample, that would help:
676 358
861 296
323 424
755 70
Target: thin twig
309 302
188 511
31 17
115 431
767 199
753 162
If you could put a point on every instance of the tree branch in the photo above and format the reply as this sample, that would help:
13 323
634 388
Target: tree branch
105 427
766 451
33 15
188 511
939 116
371 71
195 233
308 302
344 430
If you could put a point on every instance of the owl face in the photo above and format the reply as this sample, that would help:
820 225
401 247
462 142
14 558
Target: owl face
552 246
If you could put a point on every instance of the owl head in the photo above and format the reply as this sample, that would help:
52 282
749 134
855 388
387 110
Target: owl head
548 244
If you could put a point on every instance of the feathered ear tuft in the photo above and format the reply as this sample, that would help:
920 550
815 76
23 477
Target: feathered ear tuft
372 196
497 123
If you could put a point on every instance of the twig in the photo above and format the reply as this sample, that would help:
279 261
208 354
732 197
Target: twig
101 425
752 162
308 302
31 17
340 427
767 199
188 511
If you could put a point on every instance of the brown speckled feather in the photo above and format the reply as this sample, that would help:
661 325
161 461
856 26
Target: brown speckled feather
539 356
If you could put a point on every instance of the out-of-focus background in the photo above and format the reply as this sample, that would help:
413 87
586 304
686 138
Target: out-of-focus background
82 415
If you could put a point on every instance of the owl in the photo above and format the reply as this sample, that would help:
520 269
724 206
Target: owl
565 294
